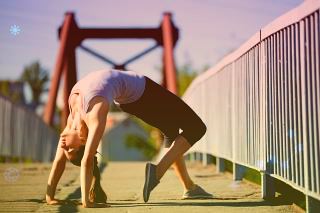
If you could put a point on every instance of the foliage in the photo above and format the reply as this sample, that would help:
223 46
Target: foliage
147 147
185 77
12 90
5 88
36 77
186 74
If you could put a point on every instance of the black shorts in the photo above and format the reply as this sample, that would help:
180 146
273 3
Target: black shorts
162 109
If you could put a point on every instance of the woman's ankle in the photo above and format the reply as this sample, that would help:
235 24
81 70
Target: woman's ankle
189 186
160 171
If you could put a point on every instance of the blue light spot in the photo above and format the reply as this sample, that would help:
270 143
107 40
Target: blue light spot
291 133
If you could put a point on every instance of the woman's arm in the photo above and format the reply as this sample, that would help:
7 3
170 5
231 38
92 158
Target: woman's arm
96 122
57 169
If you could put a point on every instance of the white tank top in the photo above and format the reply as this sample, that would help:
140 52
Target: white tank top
114 85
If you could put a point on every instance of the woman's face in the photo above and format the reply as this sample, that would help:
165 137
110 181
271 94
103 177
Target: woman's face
70 139
70 142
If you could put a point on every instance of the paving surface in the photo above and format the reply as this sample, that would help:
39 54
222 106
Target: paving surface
22 189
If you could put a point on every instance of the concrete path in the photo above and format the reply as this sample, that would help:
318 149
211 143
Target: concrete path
123 183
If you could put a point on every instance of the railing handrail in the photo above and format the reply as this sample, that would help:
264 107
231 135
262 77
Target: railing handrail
292 16
261 103
24 135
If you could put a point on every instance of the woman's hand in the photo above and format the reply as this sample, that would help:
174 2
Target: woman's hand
88 204
94 205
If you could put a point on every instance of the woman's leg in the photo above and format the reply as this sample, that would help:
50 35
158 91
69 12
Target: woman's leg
167 112
192 128
192 131
175 153
155 172
181 171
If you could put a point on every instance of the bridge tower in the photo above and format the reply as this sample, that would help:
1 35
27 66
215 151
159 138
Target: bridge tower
71 37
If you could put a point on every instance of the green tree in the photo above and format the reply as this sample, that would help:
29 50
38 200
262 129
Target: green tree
149 147
12 90
186 74
146 146
36 77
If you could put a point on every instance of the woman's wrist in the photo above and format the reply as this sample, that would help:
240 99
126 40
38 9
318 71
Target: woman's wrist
49 199
50 192
87 204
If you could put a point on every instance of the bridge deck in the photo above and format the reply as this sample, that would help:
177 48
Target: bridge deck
123 184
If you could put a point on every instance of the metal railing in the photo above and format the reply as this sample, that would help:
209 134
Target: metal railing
24 135
261 103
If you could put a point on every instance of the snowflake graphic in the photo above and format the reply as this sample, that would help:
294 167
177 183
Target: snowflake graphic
15 30
11 174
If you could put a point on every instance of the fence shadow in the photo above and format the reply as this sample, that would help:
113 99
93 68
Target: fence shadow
279 201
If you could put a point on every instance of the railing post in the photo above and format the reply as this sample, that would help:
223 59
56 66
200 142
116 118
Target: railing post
267 186
204 159
312 205
198 154
220 167
238 171
192 157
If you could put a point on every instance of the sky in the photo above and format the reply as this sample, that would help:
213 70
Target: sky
209 29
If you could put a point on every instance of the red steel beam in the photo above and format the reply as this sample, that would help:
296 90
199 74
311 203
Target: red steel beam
122 33
168 57
164 79
71 37
65 41
70 79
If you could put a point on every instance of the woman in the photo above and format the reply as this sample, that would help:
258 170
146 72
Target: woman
138 95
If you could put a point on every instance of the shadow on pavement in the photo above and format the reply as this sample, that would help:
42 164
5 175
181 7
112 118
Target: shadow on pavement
72 201
25 200
213 202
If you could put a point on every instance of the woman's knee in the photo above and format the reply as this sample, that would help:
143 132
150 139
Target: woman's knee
201 130
194 134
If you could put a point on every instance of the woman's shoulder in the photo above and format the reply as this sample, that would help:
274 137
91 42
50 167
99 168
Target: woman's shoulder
99 101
